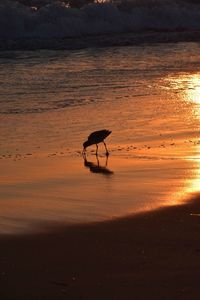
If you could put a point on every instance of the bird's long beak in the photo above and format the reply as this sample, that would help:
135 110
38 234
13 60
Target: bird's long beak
84 151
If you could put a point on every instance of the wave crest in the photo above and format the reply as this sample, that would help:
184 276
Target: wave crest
56 20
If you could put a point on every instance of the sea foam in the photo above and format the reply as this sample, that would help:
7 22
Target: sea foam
58 21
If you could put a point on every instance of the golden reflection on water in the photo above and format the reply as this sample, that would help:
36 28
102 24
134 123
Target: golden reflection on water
74 190
195 183
189 90
192 94
193 88
188 86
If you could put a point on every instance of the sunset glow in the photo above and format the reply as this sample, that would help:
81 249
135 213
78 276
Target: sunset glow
188 86
99 149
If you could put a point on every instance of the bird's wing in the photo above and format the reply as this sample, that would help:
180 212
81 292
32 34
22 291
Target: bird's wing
93 135
102 134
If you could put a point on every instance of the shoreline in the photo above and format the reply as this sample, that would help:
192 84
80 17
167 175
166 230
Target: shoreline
36 193
101 40
152 255
149 98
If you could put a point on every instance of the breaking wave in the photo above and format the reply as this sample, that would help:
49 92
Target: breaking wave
57 21
56 26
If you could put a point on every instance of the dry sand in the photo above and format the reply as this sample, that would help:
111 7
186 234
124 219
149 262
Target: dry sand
153 255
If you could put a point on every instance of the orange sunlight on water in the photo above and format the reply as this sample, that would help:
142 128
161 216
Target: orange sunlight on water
154 146
193 89
189 90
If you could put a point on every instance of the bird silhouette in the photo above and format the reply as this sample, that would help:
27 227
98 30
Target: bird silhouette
97 137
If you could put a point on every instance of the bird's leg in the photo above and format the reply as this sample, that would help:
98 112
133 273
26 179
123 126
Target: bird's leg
96 149
107 153
97 157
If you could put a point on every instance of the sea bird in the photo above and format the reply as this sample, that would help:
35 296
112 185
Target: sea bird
97 137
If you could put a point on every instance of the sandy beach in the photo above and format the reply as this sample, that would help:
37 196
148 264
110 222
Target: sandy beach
126 227
40 189
120 227
153 255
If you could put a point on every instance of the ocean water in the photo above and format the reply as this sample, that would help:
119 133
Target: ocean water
53 99
50 101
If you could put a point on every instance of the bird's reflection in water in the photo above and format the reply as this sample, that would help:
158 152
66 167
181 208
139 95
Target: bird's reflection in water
96 167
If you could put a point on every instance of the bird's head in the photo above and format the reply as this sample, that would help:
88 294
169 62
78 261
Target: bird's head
86 144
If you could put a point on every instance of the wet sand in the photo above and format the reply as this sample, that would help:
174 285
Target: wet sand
154 255
37 190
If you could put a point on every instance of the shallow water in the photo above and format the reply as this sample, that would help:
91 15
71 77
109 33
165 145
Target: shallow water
38 193
149 96
50 98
